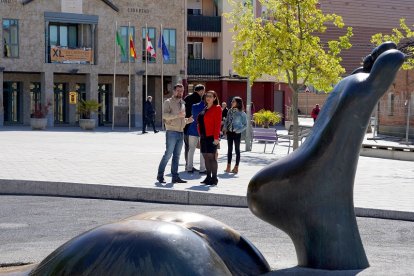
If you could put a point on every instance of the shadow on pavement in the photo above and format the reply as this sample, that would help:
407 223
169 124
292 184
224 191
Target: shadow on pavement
301 271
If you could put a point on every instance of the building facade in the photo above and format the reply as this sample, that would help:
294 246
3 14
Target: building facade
54 48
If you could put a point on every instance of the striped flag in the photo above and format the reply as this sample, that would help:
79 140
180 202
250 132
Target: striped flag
132 51
149 48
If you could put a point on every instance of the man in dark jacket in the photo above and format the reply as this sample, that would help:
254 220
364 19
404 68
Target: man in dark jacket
191 99
149 114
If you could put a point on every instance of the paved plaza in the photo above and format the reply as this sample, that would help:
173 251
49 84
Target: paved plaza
122 164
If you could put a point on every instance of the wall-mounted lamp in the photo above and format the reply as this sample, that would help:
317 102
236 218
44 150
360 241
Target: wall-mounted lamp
74 71
2 69
140 72
182 72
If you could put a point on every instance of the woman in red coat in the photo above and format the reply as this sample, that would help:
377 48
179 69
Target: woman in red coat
209 124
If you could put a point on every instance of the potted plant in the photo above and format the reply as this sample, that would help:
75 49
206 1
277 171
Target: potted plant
38 120
86 108
266 117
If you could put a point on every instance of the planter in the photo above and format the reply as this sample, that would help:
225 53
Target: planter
38 123
87 124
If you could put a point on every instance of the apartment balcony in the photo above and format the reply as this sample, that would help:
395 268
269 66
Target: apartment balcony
199 26
203 67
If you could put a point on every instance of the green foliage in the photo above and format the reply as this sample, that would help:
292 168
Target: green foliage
404 38
285 43
265 117
86 107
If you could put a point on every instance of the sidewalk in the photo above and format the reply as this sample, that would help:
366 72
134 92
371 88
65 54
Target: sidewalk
123 165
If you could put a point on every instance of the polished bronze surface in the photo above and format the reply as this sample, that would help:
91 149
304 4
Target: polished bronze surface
157 243
240 256
309 193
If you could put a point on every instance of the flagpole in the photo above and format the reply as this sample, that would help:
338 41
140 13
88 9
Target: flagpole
129 76
146 62
162 79
113 90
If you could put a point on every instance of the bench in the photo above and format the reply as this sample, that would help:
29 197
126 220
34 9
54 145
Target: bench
266 135
303 132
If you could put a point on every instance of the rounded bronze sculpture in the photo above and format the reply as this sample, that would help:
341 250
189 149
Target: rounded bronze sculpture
158 243
309 193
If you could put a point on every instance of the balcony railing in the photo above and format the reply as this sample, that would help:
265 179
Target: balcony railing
203 67
200 23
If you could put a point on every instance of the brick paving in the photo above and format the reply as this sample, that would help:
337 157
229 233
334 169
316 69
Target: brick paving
124 158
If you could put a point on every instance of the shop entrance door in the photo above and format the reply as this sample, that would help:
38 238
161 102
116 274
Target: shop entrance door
61 102
105 99
11 102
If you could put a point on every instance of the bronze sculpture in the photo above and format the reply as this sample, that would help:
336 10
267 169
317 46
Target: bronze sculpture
157 243
309 193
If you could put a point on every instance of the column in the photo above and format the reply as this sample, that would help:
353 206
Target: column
1 100
72 112
137 103
48 95
93 27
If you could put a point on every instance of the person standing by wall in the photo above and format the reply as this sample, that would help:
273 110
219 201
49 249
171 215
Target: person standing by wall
224 111
209 123
149 115
175 121
235 124
194 98
194 138
315 112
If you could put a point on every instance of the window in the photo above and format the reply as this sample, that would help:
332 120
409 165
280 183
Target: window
151 34
194 12
195 50
391 104
170 42
125 40
63 35
11 38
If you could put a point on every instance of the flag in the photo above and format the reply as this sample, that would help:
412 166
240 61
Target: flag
131 47
161 44
120 44
150 49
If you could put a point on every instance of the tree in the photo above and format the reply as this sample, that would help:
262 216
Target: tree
404 38
284 43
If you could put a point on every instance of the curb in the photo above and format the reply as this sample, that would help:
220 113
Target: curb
388 152
159 195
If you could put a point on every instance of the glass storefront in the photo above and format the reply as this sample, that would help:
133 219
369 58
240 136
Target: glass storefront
12 102
105 99
61 102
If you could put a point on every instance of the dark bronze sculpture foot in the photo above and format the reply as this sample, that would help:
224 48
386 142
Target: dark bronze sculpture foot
157 243
309 194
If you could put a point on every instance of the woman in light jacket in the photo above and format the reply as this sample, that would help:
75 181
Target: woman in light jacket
235 124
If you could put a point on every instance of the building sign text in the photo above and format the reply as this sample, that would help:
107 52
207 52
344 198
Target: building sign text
64 55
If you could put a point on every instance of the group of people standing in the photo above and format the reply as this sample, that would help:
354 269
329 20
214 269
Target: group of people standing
197 121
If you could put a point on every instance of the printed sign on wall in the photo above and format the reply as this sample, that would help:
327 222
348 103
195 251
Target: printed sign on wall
72 6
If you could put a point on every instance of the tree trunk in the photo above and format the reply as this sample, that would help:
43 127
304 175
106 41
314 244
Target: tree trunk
295 88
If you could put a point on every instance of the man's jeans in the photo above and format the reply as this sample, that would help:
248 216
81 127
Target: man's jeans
174 144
